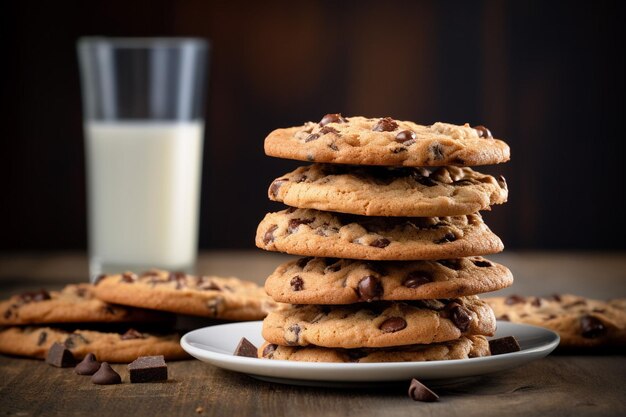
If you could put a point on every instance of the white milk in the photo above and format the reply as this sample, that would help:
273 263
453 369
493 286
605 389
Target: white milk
143 188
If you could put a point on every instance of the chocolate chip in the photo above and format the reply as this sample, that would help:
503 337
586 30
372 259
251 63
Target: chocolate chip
333 146
354 355
109 309
290 210
43 336
269 350
393 324
555 297
448 237
74 340
504 345
302 179
302 262
405 136
269 234
207 284
514 299
292 334
481 263
332 118
88 366
59 356
98 279
416 278
276 184
459 315
106 375
293 224
483 132
327 129
386 124
369 288
297 284
310 158
132 334
591 327
504 317
128 277
437 151
214 306
399 150
40 295
536 302
147 369
8 313
420 392
454 264
312 137
381 242
333 268
246 348
421 179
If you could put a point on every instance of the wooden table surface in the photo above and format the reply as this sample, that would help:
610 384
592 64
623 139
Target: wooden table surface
561 384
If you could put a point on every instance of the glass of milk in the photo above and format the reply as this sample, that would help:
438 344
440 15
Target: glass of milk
143 122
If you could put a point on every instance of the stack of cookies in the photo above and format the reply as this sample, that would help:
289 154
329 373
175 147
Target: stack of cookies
387 221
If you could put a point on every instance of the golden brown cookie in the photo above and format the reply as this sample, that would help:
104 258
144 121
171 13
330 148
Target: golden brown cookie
34 342
311 232
389 191
75 303
384 141
461 348
379 324
206 296
580 321
346 281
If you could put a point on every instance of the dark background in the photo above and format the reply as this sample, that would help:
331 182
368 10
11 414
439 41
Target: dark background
548 77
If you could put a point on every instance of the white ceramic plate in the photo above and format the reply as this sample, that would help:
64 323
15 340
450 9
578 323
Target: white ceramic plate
216 345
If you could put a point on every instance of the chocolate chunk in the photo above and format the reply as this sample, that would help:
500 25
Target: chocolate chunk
437 151
269 234
393 324
148 369
405 136
514 299
131 334
448 237
334 267
276 184
504 317
88 366
246 348
312 137
592 327
354 355
421 179
481 263
420 392
333 146
269 350
40 295
416 278
207 284
504 345
293 224
459 315
369 288
302 262
555 297
380 243
292 334
59 356
43 336
297 284
74 340
483 132
106 375
386 124
8 313
214 305
454 264
536 302
332 118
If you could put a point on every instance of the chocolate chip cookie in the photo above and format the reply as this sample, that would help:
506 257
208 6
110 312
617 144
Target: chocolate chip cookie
461 348
385 141
73 304
346 281
311 232
580 321
206 296
389 191
379 324
34 342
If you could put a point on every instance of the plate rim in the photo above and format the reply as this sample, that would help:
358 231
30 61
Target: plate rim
275 368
